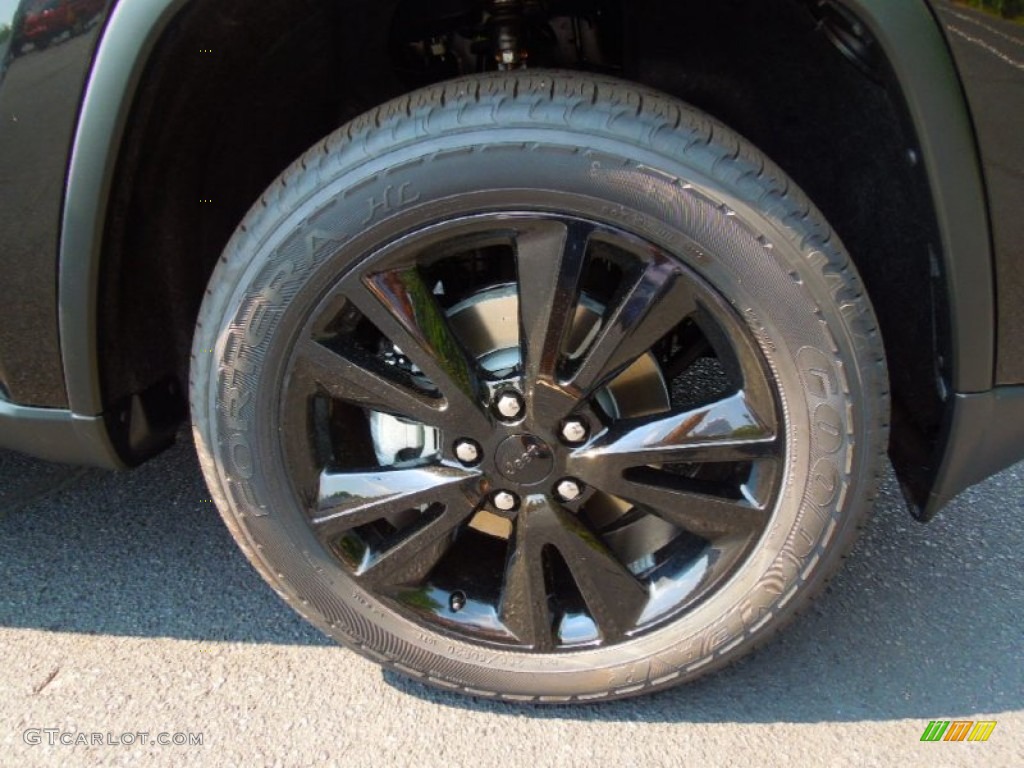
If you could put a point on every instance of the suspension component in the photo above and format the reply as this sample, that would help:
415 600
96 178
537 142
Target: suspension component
506 21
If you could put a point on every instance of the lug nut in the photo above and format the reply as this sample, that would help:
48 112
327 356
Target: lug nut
457 601
505 501
569 490
574 431
510 405
467 452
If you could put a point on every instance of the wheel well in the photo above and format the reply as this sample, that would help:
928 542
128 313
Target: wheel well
234 91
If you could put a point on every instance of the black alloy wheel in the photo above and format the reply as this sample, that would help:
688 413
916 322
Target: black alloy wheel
540 536
541 387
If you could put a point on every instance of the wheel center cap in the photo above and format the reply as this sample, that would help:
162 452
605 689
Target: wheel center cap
525 459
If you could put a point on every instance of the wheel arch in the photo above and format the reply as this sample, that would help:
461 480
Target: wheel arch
131 32
128 38
929 83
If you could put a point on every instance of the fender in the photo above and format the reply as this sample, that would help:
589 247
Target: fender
132 31
916 48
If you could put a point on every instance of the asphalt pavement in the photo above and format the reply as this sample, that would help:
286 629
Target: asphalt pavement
126 609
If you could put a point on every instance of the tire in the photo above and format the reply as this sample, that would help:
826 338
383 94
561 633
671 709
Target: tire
748 461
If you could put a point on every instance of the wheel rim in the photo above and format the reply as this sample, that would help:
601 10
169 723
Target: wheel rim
532 430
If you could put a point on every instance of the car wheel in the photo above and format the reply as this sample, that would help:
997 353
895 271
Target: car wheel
542 387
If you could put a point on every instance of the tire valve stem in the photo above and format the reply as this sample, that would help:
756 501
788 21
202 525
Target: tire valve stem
457 601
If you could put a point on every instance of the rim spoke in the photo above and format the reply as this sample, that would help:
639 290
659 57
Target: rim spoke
524 600
734 346
348 500
416 555
403 308
666 496
657 302
726 431
364 383
614 597
550 259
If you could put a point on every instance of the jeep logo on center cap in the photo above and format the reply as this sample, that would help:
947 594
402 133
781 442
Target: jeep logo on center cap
525 459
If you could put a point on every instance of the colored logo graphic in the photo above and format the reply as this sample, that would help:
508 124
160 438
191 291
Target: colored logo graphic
958 730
